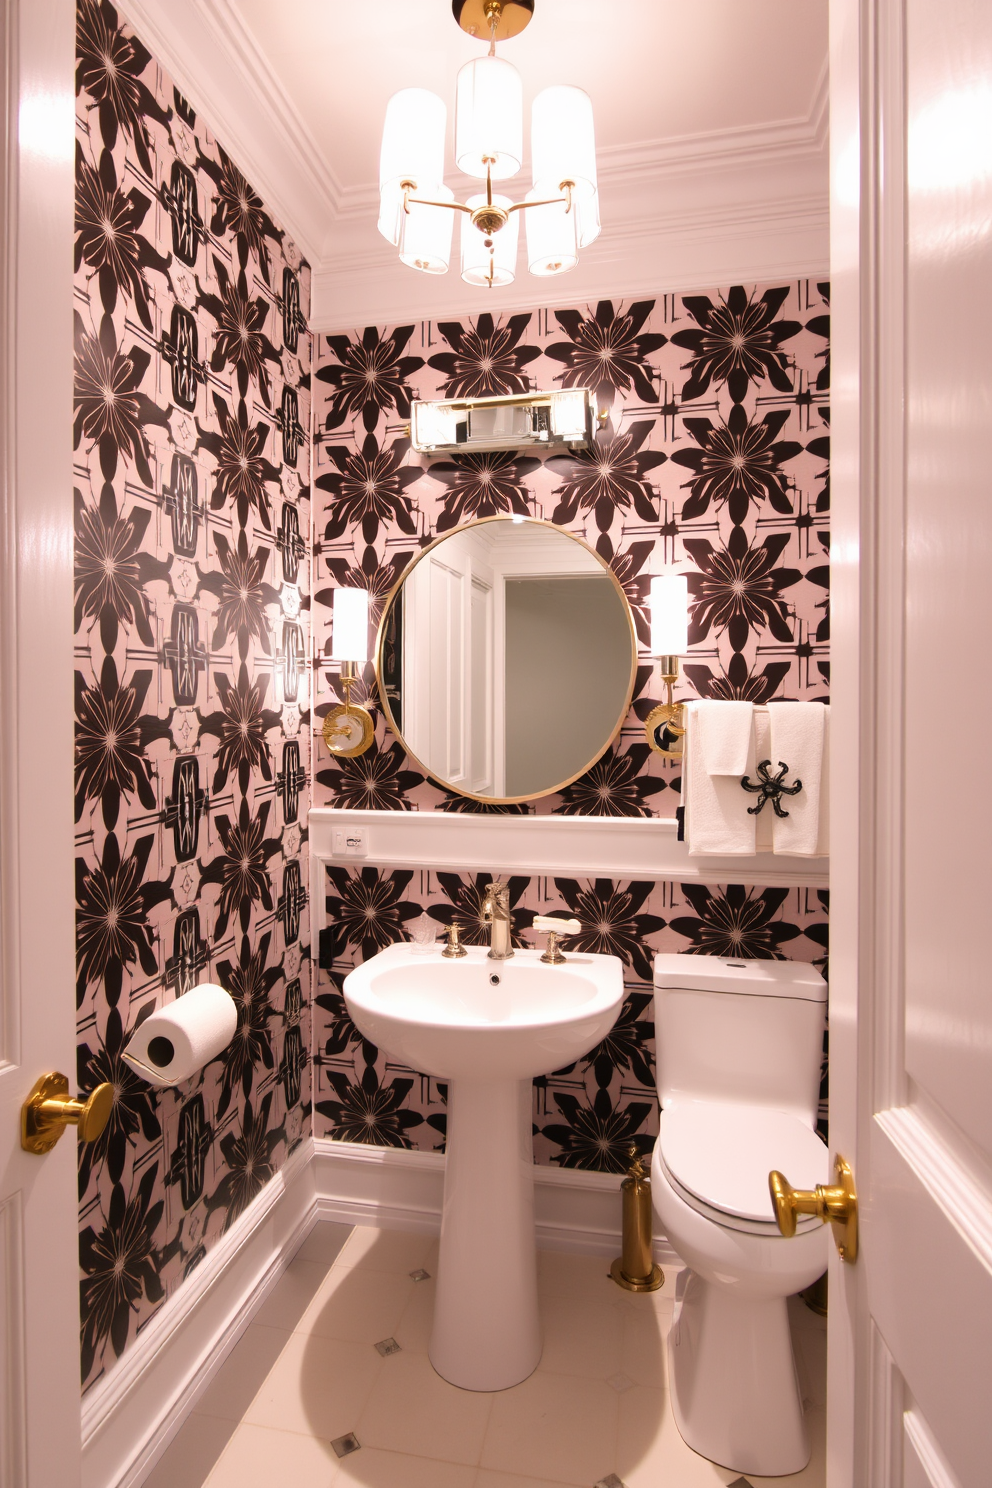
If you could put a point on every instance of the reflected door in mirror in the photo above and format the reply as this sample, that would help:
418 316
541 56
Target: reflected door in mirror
506 658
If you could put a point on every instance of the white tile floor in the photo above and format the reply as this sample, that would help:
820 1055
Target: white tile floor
306 1372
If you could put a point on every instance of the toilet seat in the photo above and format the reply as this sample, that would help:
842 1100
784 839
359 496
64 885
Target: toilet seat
717 1157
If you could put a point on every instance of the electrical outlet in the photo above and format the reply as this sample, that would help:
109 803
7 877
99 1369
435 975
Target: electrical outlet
351 842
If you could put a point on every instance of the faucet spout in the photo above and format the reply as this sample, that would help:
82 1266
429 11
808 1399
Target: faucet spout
496 910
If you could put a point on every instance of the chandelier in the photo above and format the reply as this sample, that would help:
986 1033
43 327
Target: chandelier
416 209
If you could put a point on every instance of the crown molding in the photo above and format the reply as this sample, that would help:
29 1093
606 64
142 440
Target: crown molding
686 256
219 66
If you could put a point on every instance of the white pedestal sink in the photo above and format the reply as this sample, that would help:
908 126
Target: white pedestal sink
487 1027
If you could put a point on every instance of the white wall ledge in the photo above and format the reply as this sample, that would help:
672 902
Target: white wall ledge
567 846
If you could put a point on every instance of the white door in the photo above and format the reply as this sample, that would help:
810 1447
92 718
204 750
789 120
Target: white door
910 1382
39 1253
448 664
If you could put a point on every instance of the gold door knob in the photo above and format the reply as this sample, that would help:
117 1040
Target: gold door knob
838 1204
49 1109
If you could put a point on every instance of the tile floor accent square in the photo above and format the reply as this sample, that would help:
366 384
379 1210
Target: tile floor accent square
739 1483
620 1382
420 1274
612 1481
387 1346
344 1445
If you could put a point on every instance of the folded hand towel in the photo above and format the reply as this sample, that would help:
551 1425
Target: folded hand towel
798 739
716 815
723 736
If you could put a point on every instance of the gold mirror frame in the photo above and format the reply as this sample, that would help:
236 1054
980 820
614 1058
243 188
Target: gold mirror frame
381 640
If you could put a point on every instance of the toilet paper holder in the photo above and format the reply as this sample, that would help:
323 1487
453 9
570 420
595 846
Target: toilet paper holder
176 1041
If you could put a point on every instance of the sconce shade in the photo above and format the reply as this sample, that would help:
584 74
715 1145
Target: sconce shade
350 625
489 118
551 245
563 141
669 615
475 254
412 150
425 233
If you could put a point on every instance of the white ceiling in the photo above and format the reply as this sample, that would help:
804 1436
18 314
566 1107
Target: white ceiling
710 122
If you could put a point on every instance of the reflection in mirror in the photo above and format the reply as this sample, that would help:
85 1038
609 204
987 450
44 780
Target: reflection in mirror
506 658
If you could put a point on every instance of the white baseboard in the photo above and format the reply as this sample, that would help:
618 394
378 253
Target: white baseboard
130 1416
395 1189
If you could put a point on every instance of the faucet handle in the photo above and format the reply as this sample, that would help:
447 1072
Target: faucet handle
454 948
555 929
560 927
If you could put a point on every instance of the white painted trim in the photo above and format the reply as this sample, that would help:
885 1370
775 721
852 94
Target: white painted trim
131 1414
392 1188
579 846
686 251
928 1454
216 63
937 1165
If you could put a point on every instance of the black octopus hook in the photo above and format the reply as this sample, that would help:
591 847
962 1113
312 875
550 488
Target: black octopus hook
771 788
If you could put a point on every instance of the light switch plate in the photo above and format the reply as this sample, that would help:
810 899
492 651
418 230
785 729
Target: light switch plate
351 842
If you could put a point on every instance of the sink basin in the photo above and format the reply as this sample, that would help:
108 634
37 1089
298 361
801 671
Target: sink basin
482 1019
487 1027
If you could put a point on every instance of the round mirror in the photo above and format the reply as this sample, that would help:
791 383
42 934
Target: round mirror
506 659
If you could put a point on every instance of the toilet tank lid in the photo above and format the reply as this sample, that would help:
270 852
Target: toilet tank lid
726 974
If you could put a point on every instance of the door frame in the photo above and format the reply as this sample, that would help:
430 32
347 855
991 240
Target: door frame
39 1247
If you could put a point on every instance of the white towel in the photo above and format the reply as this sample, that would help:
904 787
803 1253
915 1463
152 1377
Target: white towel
723 736
716 815
798 738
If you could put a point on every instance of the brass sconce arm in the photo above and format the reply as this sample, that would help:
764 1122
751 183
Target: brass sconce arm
348 729
667 721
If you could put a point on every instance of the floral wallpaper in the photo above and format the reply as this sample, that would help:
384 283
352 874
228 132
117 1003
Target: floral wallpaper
714 455
192 475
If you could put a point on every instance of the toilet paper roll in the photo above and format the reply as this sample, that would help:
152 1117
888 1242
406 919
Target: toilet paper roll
178 1040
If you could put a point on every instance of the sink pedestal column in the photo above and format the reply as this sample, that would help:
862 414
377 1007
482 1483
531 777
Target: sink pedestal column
487 1332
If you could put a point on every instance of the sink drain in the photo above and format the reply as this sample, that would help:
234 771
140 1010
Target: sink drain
493 980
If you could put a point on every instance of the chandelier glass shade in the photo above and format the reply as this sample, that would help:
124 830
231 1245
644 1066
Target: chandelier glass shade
489 119
416 209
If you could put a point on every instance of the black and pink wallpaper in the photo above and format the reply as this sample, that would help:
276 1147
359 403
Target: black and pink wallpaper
192 474
715 455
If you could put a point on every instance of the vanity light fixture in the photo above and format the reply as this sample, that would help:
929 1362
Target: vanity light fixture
665 725
415 207
348 728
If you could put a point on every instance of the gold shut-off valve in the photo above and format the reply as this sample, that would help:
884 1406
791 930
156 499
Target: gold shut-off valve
837 1203
49 1109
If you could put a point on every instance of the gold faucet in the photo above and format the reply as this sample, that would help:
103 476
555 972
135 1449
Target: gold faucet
496 911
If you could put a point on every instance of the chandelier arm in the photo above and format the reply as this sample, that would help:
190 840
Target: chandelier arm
419 201
552 201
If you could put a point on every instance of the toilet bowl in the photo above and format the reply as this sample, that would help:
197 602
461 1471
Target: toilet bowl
738 1078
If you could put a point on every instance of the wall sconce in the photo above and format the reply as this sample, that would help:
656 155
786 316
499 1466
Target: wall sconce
348 728
665 725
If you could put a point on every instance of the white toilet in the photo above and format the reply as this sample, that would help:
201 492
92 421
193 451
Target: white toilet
739 1045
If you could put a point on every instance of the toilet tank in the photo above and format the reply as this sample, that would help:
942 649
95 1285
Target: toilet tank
747 1032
